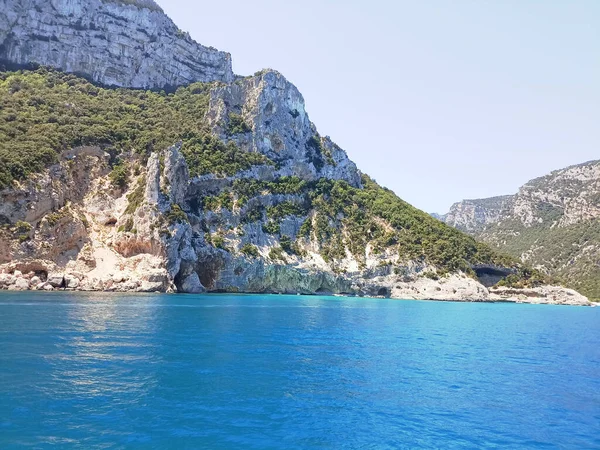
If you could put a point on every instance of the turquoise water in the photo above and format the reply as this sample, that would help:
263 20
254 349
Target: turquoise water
269 372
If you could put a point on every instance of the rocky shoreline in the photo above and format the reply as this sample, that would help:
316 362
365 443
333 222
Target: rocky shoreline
452 289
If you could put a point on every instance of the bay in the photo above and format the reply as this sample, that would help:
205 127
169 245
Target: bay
268 372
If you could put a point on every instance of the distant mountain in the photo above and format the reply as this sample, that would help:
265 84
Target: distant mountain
553 223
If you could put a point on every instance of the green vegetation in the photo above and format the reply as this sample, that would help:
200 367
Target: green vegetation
223 200
290 247
237 125
285 209
176 215
272 227
219 242
376 215
55 217
277 254
119 176
23 227
45 112
127 227
250 250
570 254
316 152
253 214
136 198
526 278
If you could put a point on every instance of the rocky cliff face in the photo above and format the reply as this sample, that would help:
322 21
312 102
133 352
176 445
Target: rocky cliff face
220 186
474 215
114 42
553 222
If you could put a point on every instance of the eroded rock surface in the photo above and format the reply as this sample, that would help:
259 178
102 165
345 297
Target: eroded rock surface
129 44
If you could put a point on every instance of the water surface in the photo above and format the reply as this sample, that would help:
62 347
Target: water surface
270 372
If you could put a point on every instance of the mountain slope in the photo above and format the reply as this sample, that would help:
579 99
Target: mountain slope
553 223
220 186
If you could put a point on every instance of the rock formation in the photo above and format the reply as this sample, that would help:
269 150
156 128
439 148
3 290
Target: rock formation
113 42
251 199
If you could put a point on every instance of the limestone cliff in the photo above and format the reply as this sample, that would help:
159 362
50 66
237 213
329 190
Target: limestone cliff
114 42
553 223
220 185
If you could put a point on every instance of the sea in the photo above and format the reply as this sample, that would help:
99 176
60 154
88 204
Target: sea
122 371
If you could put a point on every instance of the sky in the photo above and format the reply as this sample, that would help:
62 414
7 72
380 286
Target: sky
438 100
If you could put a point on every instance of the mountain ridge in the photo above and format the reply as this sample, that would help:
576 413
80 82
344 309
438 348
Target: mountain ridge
551 223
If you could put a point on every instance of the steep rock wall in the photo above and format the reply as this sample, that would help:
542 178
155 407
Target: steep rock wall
111 42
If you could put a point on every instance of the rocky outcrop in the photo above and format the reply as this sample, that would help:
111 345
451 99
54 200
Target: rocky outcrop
475 215
545 295
113 42
278 127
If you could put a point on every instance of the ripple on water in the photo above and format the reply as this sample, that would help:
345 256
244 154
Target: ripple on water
99 371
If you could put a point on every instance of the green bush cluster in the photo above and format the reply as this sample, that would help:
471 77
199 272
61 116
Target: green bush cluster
250 250
139 3
247 188
286 209
119 176
414 233
218 241
272 227
136 198
176 215
45 112
277 254
558 249
237 125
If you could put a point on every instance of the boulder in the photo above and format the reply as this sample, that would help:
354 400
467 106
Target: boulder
56 280
71 282
192 285
21 284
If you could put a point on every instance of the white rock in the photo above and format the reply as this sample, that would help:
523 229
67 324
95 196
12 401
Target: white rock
56 279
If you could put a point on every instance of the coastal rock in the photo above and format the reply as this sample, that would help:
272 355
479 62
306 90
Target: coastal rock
553 295
192 284
149 287
21 284
56 280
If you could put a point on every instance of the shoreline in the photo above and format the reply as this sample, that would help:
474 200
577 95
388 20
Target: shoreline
534 301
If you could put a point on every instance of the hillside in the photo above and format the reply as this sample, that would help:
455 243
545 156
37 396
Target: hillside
221 185
552 223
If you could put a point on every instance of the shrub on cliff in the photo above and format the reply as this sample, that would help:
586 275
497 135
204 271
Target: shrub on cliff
45 112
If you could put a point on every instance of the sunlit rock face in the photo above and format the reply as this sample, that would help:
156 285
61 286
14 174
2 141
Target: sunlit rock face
279 128
121 43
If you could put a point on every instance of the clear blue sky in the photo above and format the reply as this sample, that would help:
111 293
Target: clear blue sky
439 100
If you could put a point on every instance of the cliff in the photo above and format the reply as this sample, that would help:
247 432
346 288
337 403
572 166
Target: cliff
219 185
116 42
553 223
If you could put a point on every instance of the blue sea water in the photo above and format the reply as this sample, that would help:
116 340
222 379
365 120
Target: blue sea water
287 372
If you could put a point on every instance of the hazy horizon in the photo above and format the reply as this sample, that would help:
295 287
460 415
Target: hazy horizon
439 102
